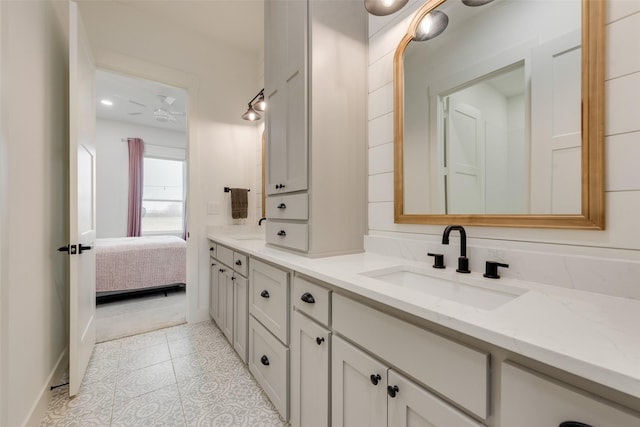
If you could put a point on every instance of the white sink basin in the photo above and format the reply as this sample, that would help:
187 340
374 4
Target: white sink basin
486 296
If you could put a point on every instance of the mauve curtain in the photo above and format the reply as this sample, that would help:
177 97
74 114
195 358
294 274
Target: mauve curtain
136 163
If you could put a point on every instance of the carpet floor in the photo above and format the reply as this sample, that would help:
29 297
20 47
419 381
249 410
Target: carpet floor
137 315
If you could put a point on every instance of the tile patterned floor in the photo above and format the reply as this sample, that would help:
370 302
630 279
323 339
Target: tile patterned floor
186 375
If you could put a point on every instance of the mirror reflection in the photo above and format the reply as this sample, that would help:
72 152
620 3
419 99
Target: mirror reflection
492 109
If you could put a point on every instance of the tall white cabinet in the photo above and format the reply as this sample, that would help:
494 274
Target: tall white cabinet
315 151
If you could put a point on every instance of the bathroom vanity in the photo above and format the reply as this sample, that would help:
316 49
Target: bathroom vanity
365 340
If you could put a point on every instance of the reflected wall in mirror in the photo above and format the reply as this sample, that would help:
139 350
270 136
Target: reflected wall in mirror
498 113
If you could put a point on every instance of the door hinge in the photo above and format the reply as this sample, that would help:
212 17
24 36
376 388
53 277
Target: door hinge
70 249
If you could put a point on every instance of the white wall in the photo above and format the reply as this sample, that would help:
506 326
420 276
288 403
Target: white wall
602 261
112 169
221 81
33 205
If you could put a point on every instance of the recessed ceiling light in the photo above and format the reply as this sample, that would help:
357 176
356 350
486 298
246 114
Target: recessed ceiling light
106 102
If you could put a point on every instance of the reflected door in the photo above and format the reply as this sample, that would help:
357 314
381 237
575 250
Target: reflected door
464 141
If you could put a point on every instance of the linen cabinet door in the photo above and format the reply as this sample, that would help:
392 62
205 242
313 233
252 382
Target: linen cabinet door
358 387
309 373
227 321
213 289
410 405
241 316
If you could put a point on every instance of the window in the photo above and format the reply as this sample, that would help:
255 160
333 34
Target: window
163 196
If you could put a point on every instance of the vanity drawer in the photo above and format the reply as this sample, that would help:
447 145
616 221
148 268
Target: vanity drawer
288 235
225 256
269 362
269 298
532 400
241 263
213 252
311 299
294 206
457 372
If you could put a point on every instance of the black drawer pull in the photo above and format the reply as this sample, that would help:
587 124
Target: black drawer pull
308 298
392 390
282 206
281 233
264 294
238 262
375 378
573 424
319 340
264 360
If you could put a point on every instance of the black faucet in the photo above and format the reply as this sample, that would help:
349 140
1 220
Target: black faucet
463 261
260 222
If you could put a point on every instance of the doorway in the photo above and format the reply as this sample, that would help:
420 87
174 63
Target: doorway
140 281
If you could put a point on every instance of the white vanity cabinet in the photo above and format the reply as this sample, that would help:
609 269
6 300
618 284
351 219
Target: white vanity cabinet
310 354
229 292
529 399
315 126
365 392
269 306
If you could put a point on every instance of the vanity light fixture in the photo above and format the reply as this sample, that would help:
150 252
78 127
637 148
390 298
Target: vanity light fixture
431 25
383 7
474 3
256 106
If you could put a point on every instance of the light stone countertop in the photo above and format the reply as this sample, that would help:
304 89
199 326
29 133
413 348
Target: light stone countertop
590 335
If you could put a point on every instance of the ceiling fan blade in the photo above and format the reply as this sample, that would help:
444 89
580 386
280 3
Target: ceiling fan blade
138 103
135 113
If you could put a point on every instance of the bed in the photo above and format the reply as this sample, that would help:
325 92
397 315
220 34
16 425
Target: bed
139 263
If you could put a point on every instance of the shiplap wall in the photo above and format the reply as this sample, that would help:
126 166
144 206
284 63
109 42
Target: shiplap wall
621 239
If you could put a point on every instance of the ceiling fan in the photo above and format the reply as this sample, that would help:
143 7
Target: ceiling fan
164 113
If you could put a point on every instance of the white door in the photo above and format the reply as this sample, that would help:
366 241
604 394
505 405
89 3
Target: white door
358 387
465 159
82 232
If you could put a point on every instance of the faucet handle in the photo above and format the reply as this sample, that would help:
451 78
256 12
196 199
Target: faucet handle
491 269
438 260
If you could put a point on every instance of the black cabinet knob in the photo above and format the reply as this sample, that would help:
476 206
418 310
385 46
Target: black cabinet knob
319 340
375 378
233 277
211 249
308 298
238 262
264 294
491 269
438 260
392 390
221 270
573 424
282 206
281 233
264 360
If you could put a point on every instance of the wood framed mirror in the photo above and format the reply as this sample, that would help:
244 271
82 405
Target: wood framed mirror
499 117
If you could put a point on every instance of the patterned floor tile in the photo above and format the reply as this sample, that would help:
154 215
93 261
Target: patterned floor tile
184 375
145 380
144 340
91 407
158 408
142 357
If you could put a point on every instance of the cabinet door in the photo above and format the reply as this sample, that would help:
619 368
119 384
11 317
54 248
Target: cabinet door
213 289
240 316
309 373
227 321
358 387
219 302
412 406
531 400
285 91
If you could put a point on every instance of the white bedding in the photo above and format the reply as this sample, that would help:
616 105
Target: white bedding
130 263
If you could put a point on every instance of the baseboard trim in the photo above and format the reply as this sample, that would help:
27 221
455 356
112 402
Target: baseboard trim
40 405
